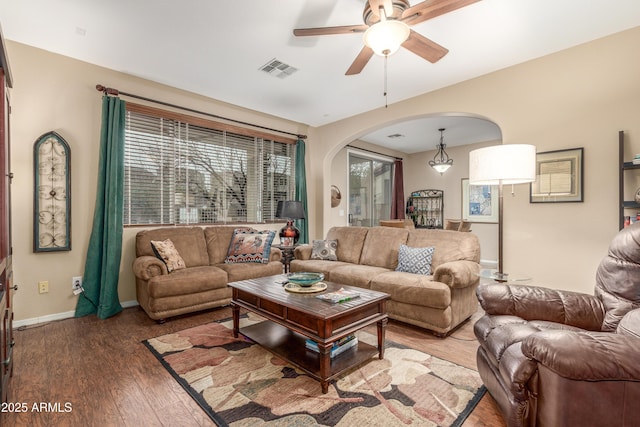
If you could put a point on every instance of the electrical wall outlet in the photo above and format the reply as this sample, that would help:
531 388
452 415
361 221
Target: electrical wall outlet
43 286
76 284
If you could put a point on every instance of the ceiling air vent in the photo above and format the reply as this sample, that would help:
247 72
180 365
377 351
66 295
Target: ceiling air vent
278 68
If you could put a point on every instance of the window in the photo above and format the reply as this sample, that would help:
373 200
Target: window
370 189
179 172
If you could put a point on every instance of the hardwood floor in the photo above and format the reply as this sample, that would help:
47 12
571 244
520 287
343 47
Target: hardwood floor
90 372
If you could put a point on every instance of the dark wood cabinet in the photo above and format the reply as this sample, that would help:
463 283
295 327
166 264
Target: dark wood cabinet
426 208
6 278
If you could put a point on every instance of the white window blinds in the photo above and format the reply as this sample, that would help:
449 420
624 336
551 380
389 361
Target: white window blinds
181 173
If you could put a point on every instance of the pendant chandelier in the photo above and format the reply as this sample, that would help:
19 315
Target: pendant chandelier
441 161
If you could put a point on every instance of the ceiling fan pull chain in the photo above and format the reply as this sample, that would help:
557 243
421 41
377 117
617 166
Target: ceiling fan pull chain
385 82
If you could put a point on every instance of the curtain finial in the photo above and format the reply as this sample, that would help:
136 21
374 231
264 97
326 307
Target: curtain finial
107 90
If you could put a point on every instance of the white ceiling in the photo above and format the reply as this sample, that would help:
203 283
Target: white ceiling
215 48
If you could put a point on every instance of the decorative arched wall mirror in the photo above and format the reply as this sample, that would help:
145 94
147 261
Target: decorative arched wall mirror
52 194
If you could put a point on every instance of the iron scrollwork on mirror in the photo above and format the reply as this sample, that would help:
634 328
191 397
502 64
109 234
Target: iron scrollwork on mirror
52 194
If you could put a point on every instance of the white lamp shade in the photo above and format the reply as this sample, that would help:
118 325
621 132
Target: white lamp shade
502 164
386 37
442 167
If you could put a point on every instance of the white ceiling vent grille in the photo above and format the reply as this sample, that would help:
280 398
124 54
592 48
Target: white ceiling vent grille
278 69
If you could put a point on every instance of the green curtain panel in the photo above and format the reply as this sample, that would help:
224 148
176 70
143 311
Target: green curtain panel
301 191
102 266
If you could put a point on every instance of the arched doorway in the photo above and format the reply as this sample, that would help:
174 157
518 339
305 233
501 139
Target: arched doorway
414 140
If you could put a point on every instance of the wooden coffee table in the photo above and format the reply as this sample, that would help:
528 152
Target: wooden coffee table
295 317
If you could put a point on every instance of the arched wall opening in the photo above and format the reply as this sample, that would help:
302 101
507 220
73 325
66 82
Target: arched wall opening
417 174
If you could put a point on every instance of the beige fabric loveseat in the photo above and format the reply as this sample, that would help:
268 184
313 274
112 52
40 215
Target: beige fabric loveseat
368 257
203 283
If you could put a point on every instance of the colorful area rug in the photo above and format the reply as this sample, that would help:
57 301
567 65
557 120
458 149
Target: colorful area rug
238 383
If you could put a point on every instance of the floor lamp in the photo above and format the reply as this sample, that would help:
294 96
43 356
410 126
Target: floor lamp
498 165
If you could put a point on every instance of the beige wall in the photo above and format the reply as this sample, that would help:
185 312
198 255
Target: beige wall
52 92
579 97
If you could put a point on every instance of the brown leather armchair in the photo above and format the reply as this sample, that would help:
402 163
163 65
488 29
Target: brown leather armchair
558 358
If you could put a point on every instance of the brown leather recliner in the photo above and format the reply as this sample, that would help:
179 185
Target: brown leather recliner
559 358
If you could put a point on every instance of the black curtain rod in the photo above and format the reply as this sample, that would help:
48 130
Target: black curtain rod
374 152
116 92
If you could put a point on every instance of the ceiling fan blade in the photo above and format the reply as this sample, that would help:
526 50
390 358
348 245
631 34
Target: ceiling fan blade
346 29
361 60
431 8
375 7
424 48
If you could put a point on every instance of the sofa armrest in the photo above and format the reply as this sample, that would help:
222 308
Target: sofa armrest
457 274
275 254
145 267
537 303
586 356
303 252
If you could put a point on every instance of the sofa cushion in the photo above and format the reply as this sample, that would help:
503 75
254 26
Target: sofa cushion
356 274
324 249
630 324
413 289
449 245
250 246
415 260
167 252
316 266
250 270
187 281
189 242
350 241
381 246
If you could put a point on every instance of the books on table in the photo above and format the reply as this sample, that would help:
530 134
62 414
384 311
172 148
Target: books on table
341 295
339 346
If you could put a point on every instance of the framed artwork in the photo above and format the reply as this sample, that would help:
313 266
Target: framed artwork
52 194
286 241
558 177
479 202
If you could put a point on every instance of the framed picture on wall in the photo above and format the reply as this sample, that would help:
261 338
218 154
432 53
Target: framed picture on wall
558 177
479 202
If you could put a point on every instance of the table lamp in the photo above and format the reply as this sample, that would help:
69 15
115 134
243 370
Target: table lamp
290 210
502 164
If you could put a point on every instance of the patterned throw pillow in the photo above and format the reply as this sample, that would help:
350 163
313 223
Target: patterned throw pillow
415 260
325 250
250 246
167 252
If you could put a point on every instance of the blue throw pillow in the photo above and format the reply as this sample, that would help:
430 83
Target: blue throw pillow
415 260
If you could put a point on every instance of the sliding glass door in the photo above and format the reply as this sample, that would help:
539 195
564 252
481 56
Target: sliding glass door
370 187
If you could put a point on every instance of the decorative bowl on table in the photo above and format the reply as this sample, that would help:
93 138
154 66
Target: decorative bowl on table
305 279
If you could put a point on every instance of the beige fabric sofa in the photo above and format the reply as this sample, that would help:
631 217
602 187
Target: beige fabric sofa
203 284
367 258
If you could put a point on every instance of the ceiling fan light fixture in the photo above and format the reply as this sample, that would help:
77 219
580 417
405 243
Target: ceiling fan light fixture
386 37
441 161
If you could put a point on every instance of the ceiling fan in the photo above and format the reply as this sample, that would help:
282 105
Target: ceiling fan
398 15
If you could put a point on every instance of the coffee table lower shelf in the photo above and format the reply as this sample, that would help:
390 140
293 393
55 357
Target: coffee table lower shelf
290 346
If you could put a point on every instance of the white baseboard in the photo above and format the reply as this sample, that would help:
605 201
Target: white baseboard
59 316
